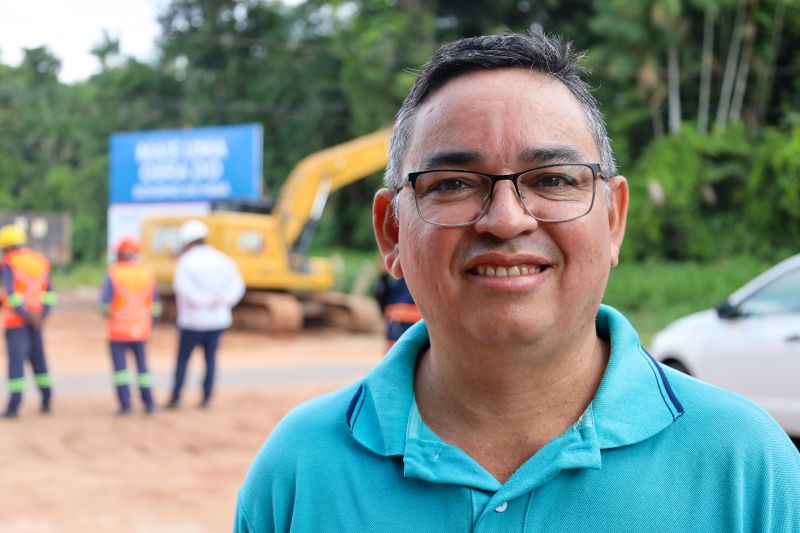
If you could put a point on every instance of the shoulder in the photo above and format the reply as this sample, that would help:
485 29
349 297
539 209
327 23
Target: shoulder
715 405
734 449
298 450
220 255
206 252
733 428
189 258
314 427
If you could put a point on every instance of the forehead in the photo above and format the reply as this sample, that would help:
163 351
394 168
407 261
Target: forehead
500 116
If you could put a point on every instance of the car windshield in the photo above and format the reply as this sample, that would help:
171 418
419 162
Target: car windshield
781 296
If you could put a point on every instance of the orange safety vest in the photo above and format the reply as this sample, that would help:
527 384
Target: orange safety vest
31 272
402 312
130 317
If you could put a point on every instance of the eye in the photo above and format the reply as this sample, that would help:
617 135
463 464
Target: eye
553 181
450 184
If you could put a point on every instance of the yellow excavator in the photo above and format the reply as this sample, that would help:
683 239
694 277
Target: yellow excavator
285 287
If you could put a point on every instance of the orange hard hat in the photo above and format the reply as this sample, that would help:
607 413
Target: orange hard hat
128 245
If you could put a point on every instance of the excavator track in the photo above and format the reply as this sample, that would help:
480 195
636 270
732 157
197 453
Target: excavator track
345 311
282 312
271 312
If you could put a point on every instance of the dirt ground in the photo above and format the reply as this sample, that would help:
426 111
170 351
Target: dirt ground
82 468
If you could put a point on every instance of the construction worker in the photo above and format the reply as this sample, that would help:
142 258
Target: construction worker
29 297
397 305
130 301
207 285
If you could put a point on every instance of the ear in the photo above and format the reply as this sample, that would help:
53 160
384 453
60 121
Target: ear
617 215
387 232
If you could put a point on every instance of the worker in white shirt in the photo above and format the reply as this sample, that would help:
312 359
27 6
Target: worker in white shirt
207 285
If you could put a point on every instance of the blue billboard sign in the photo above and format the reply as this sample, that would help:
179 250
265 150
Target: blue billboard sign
200 164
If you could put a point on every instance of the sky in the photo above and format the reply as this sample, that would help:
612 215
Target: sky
71 28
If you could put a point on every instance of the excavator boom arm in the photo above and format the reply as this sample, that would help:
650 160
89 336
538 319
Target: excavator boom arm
326 171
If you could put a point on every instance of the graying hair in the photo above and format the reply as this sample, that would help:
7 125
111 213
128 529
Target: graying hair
548 55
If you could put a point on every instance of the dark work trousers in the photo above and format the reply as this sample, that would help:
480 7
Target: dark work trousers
25 342
209 340
395 329
122 378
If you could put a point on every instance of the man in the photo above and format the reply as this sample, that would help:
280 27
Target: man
129 298
207 285
29 297
520 403
397 305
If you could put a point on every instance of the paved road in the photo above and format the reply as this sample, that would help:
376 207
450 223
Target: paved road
100 382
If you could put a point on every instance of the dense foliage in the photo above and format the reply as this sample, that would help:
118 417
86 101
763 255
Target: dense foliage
701 96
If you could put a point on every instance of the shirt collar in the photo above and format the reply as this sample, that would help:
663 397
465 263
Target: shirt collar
633 402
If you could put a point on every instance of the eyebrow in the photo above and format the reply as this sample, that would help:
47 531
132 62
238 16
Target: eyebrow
550 154
534 156
444 158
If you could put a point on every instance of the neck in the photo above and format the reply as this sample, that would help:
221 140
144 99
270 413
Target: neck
501 405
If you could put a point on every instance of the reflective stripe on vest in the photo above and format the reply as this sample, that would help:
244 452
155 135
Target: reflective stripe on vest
407 313
129 314
31 272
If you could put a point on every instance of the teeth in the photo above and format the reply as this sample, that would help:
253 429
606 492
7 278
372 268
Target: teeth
503 272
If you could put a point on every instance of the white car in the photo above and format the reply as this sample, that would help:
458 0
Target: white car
749 344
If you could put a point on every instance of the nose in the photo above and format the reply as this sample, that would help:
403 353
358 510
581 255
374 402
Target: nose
506 217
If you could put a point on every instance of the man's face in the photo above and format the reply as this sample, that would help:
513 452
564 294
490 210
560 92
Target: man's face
502 122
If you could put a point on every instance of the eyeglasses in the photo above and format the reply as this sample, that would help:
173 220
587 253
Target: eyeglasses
550 193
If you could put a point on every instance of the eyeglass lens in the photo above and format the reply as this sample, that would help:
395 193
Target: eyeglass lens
553 193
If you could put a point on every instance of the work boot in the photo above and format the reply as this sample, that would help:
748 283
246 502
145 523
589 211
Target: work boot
46 395
123 411
173 404
12 407
205 403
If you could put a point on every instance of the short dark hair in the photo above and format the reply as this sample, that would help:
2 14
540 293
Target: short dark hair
548 55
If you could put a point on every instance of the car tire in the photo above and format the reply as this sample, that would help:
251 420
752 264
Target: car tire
677 365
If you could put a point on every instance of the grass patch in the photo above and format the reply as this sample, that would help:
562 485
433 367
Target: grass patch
653 294
78 275
355 270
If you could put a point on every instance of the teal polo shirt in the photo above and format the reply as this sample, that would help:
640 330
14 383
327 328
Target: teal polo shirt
655 451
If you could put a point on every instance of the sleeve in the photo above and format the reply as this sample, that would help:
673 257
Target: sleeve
235 289
13 298
49 298
774 503
240 522
8 283
106 294
266 498
155 308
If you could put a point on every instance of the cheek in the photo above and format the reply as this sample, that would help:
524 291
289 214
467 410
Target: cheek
425 255
420 251
586 249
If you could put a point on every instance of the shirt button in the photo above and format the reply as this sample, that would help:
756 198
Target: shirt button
502 507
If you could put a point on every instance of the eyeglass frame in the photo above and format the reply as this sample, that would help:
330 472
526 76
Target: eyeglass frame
411 178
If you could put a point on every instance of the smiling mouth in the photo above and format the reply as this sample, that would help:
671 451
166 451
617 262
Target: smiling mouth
507 271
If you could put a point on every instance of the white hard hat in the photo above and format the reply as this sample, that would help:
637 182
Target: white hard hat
192 230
